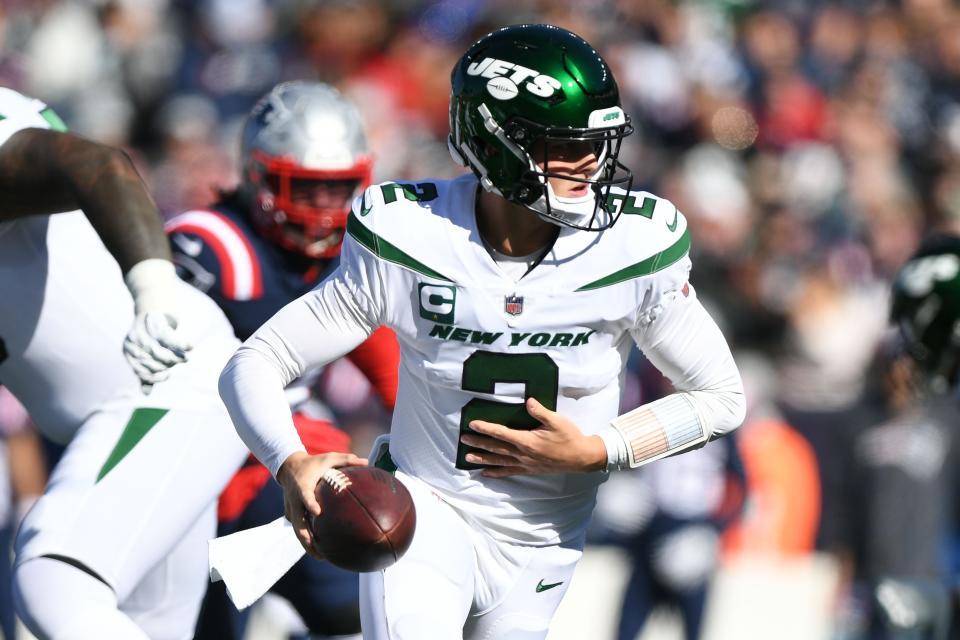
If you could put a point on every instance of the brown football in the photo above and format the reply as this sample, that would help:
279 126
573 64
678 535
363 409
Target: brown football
367 518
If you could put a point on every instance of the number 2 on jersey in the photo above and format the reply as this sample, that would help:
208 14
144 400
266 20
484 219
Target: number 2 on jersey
483 370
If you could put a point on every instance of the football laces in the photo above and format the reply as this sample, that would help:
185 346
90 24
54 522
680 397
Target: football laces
337 480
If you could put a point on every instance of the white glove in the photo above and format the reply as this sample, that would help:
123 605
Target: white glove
153 344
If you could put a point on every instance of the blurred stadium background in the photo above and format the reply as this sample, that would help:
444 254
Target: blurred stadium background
811 145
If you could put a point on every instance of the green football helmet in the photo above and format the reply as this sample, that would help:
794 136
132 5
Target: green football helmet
926 309
529 88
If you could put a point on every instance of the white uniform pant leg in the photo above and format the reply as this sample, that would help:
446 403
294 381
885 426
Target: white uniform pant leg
58 601
428 593
166 603
520 589
124 523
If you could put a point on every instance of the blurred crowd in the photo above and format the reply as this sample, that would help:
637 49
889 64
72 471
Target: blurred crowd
810 143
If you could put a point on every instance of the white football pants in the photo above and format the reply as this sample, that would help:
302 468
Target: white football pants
457 582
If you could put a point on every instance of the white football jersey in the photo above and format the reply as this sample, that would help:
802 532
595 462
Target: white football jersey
475 342
65 310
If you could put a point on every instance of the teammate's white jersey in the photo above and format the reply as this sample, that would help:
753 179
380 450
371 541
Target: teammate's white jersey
64 310
475 342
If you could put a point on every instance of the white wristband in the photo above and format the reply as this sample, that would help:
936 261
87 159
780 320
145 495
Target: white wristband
152 283
658 429
618 456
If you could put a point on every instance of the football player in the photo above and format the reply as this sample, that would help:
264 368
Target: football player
909 598
115 547
516 300
926 309
304 159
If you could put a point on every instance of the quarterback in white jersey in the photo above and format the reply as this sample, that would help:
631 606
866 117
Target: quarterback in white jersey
516 304
115 547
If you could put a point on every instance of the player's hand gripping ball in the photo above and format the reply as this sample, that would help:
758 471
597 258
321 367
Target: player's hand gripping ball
367 519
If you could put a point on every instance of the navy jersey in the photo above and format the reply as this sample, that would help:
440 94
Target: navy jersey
218 251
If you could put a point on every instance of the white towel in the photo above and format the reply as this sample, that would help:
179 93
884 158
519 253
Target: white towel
251 561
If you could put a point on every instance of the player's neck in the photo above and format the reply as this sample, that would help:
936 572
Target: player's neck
510 228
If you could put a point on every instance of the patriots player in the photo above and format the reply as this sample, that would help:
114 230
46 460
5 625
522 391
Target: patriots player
516 301
273 239
114 548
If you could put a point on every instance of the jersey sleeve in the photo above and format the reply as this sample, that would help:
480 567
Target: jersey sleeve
684 342
317 328
196 263
664 288
214 255
20 112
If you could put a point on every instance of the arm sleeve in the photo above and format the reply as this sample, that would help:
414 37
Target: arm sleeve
311 331
680 338
686 345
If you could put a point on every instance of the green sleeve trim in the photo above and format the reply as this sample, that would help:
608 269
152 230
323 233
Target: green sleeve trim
53 119
654 263
385 462
140 423
383 249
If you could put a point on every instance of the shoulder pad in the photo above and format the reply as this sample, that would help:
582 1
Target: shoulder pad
382 219
656 218
18 112
378 196
234 255
388 205
649 236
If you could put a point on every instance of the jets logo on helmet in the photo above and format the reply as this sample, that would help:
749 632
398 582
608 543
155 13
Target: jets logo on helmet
533 90
502 84
919 276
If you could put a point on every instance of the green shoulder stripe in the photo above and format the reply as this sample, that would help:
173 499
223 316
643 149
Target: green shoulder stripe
652 264
383 249
53 119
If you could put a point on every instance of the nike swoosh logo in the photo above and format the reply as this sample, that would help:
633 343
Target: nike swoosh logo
190 246
673 225
364 209
543 587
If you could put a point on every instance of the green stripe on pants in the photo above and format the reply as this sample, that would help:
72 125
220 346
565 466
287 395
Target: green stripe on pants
141 421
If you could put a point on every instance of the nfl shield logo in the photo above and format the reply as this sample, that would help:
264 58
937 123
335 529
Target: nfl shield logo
513 305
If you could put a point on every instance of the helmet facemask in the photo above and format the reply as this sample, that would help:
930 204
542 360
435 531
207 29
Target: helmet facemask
587 211
305 158
304 210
